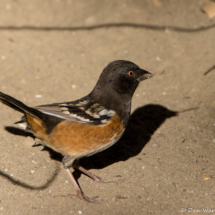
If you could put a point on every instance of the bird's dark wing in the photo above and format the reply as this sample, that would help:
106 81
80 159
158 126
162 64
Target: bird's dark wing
82 110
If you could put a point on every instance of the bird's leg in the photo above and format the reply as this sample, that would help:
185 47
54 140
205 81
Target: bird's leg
69 161
79 192
90 174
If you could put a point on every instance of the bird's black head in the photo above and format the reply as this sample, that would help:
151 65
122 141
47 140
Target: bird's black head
121 77
116 86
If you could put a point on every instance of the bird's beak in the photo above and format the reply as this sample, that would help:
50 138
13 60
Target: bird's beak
144 75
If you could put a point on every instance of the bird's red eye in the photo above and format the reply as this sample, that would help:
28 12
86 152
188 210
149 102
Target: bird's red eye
130 73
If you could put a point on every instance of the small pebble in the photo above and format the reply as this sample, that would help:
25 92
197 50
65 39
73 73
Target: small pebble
34 162
38 96
158 59
206 176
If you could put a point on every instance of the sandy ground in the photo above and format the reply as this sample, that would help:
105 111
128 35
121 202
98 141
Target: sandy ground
54 51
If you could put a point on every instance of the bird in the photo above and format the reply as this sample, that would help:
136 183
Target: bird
88 125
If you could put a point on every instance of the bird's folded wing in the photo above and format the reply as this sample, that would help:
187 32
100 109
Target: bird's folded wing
78 111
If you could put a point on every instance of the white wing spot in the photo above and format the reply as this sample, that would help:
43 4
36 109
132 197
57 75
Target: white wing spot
84 102
63 108
81 103
111 113
95 105
88 112
103 112
83 119
79 117
104 121
96 116
65 112
74 115
82 108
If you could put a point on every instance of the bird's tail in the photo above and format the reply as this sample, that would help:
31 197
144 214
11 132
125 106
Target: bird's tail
19 106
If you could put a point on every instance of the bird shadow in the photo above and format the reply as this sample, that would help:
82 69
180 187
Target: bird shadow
18 131
143 122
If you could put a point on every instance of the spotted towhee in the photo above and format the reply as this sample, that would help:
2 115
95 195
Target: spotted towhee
88 125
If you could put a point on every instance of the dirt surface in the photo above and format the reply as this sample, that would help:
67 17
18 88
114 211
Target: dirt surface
54 51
